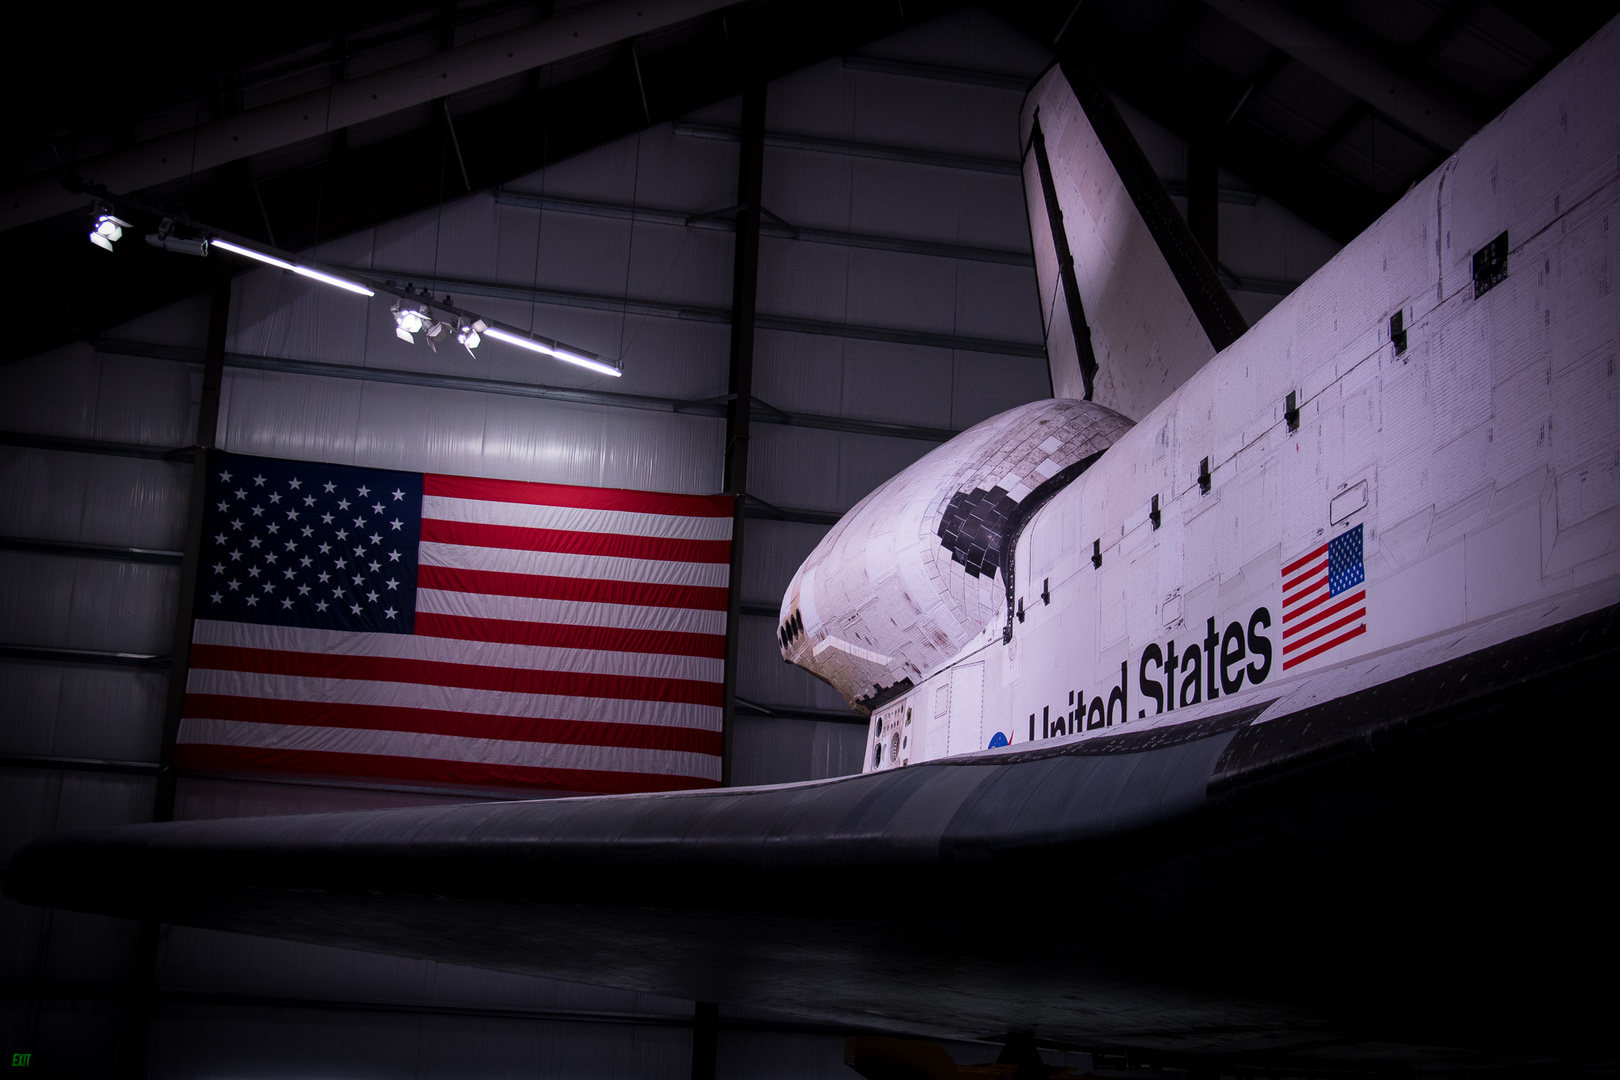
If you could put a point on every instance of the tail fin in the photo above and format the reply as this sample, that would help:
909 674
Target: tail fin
1131 304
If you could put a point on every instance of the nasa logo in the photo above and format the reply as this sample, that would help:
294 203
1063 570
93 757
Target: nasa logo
1222 663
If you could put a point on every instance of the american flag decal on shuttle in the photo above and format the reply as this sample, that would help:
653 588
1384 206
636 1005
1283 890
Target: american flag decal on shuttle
1324 599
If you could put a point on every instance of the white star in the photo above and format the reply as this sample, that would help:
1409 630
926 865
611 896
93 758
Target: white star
253 601
376 539
343 534
292 545
355 608
341 563
375 566
288 574
254 541
258 511
392 584
359 523
303 590
309 500
269 587
292 515
359 552
219 568
305 561
343 504
236 556
358 580
338 591
326 519
241 493
393 556
325 548
398 494
306 531
320 606
253 571
390 613
286 603
217 597
224 506
330 487
324 577
364 491
275 497
295 483
234 584
272 529
396 523
258 481
225 477
220 539
270 557
377 508
372 596
236 523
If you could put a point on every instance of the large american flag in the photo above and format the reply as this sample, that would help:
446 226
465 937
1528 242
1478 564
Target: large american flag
402 627
1324 598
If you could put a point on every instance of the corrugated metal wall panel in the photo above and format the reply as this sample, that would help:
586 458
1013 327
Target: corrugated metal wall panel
908 384
125 502
772 554
76 392
756 1055
63 602
81 711
764 677
799 372
771 751
985 385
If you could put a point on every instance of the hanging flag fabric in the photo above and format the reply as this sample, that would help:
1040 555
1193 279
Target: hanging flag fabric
1324 598
402 627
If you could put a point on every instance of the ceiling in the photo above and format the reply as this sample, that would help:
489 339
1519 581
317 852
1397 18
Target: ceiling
1282 94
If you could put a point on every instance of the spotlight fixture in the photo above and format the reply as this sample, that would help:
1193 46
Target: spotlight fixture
107 229
468 335
601 367
439 331
303 271
409 321
184 245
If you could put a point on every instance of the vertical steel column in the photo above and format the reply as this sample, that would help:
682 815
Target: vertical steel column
1065 260
744 292
219 312
705 1039
1203 195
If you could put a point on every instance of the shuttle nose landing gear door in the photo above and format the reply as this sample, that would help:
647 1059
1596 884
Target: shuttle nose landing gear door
890 745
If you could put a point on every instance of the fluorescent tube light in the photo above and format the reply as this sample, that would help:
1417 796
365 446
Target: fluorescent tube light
351 286
601 367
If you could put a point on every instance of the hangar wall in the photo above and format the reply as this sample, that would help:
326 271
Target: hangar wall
926 323
929 333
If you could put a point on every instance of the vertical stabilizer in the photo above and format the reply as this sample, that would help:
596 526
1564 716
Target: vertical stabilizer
1131 305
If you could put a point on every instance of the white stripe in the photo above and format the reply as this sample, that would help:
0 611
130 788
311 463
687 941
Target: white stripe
558 564
452 699
575 519
457 651
528 609
410 744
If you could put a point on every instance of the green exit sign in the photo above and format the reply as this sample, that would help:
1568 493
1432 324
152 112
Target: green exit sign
19 1061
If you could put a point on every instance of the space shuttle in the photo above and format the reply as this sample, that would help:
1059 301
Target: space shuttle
1249 704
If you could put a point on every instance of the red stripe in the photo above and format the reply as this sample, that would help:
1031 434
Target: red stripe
584 498
1322 569
441 673
1295 627
584 590
1321 597
1324 647
1302 560
442 722
602 545
430 770
1319 585
1359 613
563 636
